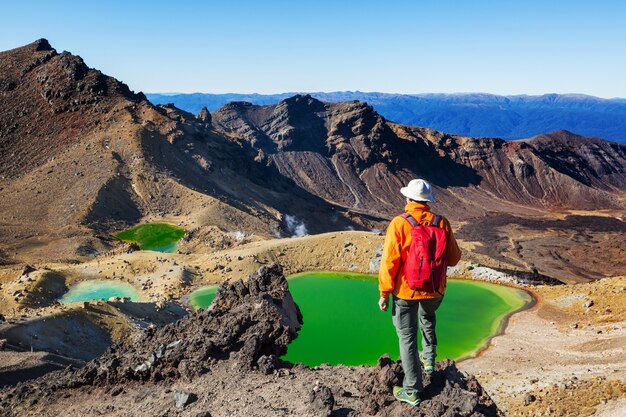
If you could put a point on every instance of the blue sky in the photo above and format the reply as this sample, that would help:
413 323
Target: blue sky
501 47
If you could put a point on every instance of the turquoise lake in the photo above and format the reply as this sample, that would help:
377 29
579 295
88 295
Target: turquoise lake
99 290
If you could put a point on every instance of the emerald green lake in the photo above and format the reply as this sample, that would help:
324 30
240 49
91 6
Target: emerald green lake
202 297
160 237
342 322
99 290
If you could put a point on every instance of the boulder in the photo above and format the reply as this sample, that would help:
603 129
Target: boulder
322 401
268 364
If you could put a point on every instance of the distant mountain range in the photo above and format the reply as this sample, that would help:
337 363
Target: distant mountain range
476 115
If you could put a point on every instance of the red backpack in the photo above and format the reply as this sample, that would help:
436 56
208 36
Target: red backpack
426 264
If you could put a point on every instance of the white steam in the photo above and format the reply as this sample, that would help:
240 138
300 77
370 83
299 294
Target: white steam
238 236
294 226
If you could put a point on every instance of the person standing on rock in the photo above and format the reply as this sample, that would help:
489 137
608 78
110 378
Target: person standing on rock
419 246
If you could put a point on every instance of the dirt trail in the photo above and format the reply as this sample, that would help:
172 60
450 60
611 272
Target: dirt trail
560 350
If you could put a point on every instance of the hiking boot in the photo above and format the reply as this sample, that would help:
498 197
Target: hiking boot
411 398
427 363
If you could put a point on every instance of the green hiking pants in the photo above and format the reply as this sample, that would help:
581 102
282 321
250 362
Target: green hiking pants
406 314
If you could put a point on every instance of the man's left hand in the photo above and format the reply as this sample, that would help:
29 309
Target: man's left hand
383 303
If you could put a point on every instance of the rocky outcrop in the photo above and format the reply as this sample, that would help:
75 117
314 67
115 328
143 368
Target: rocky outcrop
447 392
48 92
248 321
204 116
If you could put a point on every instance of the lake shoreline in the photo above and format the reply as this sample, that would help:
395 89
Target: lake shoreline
534 303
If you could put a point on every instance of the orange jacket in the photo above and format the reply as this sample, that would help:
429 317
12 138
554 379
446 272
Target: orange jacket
397 243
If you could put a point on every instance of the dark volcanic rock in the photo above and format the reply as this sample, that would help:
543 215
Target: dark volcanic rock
322 401
50 94
27 269
447 392
204 116
268 364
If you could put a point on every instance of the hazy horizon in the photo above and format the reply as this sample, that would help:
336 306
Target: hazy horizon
385 93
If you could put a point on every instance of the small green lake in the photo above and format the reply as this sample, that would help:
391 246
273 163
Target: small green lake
202 297
160 237
99 290
342 322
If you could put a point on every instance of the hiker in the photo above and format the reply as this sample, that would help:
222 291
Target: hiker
415 277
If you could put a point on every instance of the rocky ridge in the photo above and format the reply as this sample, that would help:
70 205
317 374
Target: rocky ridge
349 154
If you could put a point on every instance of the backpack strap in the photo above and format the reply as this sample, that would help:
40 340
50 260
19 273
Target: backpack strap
435 223
410 219
437 220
